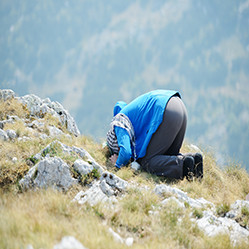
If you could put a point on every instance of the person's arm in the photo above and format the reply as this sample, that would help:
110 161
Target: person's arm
124 144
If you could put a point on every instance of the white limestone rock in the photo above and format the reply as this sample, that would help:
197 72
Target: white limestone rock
69 242
54 131
44 136
235 208
11 134
94 195
106 188
32 102
114 181
27 181
44 108
213 226
65 118
128 241
3 135
39 107
24 138
173 199
183 197
38 124
116 236
80 151
6 94
29 247
82 167
135 166
50 172
103 190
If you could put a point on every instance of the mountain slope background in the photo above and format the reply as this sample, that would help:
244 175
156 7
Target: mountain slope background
90 54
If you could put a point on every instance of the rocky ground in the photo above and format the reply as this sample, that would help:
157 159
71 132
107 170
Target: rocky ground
51 168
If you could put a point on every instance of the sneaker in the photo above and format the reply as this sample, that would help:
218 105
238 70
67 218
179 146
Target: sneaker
188 167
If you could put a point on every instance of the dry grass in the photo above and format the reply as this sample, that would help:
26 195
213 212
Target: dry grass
12 108
219 185
42 218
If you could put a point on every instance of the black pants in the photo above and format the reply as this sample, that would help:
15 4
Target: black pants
162 156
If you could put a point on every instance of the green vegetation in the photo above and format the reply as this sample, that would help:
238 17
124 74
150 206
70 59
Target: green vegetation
222 209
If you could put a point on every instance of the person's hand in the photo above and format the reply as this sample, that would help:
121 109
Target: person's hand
114 158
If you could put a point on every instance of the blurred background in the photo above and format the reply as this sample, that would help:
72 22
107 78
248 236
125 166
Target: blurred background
88 54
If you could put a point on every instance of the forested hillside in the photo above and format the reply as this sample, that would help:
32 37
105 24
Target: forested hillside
89 54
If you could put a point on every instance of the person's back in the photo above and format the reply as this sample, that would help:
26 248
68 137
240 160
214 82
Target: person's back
146 114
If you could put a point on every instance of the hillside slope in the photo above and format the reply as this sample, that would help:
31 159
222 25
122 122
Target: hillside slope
57 190
88 54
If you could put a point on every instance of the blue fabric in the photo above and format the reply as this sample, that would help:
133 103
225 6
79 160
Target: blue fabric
118 107
146 114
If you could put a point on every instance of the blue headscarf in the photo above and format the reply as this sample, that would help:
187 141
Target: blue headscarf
118 107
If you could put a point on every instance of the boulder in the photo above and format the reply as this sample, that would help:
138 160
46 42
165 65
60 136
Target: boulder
39 107
50 172
114 181
163 189
93 196
213 226
103 190
235 208
32 102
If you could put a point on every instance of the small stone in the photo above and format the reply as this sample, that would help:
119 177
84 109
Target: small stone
69 242
54 131
36 124
129 241
11 134
24 138
172 198
116 236
135 165
3 135
44 136
44 108
82 167
29 247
